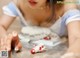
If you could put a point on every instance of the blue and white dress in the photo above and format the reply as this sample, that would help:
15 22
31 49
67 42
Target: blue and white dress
59 27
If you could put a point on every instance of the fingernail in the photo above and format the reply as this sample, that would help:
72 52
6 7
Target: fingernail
14 33
16 49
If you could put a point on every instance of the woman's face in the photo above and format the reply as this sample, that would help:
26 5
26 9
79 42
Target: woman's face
35 3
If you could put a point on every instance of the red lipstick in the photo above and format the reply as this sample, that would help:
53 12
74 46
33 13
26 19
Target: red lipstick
32 2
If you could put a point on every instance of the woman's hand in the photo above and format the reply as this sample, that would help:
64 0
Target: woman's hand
10 41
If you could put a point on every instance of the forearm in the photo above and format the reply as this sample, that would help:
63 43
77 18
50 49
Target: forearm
73 40
2 30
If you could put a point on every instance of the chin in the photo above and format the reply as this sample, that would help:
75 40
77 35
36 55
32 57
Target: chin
34 7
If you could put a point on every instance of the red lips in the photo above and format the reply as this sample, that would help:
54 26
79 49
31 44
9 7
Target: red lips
32 2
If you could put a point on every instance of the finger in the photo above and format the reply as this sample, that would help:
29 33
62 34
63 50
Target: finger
9 40
2 44
15 38
18 47
5 41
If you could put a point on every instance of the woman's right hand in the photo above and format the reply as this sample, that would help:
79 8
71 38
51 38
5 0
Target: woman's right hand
9 41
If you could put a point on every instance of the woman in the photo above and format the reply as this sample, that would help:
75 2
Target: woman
43 13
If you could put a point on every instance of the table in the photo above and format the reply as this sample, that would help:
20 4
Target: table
56 52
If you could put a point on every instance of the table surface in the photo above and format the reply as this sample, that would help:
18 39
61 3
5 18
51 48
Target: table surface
56 52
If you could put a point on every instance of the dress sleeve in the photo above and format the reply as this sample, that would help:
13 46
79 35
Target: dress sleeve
10 10
72 15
